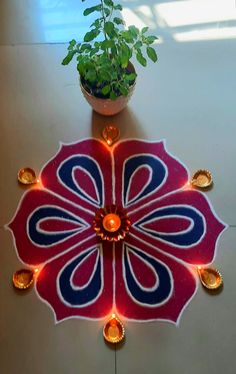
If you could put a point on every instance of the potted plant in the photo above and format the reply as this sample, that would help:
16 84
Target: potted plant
107 76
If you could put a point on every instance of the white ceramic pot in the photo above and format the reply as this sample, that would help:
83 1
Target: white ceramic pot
108 107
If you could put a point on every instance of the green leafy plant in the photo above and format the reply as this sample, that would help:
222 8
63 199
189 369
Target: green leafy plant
103 56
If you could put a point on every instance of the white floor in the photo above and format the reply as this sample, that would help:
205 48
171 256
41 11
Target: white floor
189 99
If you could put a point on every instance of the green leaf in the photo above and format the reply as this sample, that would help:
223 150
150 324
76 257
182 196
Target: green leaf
85 47
80 68
134 31
107 44
142 60
118 7
109 28
113 95
125 55
91 35
144 29
150 39
124 62
118 21
106 89
104 60
114 74
68 58
92 9
109 3
107 12
127 36
71 44
96 23
130 77
138 45
124 90
126 50
91 75
93 51
114 50
104 75
152 54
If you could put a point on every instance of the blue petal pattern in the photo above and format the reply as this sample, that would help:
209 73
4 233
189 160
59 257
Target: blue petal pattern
65 174
79 297
49 238
163 288
181 239
158 174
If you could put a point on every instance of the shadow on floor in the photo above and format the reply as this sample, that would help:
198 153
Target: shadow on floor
126 121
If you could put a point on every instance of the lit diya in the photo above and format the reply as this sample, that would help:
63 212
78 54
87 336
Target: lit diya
23 279
27 176
111 223
202 179
111 134
210 278
114 331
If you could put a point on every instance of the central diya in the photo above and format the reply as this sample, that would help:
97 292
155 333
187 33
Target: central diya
111 223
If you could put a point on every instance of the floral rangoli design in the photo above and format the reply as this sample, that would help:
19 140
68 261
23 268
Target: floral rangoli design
150 274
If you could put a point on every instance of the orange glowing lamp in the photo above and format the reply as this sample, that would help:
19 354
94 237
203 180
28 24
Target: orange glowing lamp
110 134
210 278
111 222
114 331
27 176
23 279
202 179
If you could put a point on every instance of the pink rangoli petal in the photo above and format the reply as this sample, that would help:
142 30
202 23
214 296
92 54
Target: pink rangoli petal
82 173
197 243
174 288
94 298
161 173
36 244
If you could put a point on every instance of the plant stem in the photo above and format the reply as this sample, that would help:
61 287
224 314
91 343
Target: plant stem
104 21
111 13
